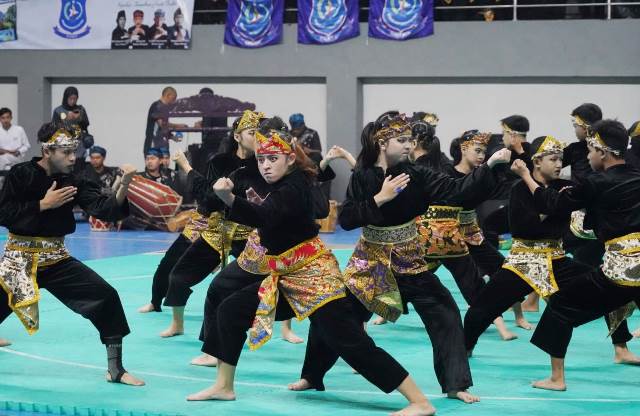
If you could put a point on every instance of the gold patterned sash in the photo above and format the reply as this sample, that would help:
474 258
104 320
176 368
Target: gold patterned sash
532 260
194 227
220 233
469 227
253 258
18 272
622 260
577 226
369 274
440 231
308 276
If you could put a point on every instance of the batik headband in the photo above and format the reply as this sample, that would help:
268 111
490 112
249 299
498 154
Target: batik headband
476 138
272 144
398 126
549 146
249 120
508 129
597 142
62 139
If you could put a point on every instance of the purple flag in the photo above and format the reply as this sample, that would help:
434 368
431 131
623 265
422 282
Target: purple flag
400 19
327 21
254 23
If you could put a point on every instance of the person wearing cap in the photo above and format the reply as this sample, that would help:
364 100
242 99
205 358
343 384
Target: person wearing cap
120 36
307 137
107 176
159 30
153 169
611 199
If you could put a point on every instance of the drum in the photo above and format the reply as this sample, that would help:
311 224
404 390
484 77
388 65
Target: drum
153 202
99 225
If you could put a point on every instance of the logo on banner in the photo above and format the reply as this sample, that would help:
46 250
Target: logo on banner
73 20
254 21
327 16
401 17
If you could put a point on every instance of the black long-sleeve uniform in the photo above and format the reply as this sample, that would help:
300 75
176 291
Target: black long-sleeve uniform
74 284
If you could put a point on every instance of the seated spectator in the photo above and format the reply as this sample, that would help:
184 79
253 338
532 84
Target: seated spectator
107 176
155 171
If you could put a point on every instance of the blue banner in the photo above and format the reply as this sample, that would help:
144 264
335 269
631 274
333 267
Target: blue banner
254 23
327 21
400 19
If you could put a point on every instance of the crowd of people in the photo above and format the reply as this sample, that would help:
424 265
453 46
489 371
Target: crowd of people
258 201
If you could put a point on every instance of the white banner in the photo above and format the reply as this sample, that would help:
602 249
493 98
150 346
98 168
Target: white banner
103 24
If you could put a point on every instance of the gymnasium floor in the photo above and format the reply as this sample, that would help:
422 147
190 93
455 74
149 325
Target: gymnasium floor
60 370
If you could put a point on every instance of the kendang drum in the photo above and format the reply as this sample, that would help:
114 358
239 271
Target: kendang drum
99 225
152 202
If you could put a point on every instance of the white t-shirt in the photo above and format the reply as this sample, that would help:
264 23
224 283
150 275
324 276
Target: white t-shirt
13 139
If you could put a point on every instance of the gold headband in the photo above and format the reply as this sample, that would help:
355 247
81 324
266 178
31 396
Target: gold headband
577 120
481 139
62 139
508 129
549 146
249 120
597 142
431 119
272 145
399 126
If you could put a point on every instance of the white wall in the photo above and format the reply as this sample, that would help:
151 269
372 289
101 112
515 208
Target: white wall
9 98
118 112
462 107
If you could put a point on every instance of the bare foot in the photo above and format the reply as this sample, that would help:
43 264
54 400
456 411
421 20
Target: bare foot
212 393
205 360
507 335
380 321
4 342
636 333
530 308
126 379
549 384
416 409
291 337
172 331
300 385
624 356
524 324
146 308
463 396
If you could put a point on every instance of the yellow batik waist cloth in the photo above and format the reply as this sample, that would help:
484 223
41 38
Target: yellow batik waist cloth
439 229
18 271
469 228
532 261
253 258
622 260
220 233
308 276
195 226
370 273
577 226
